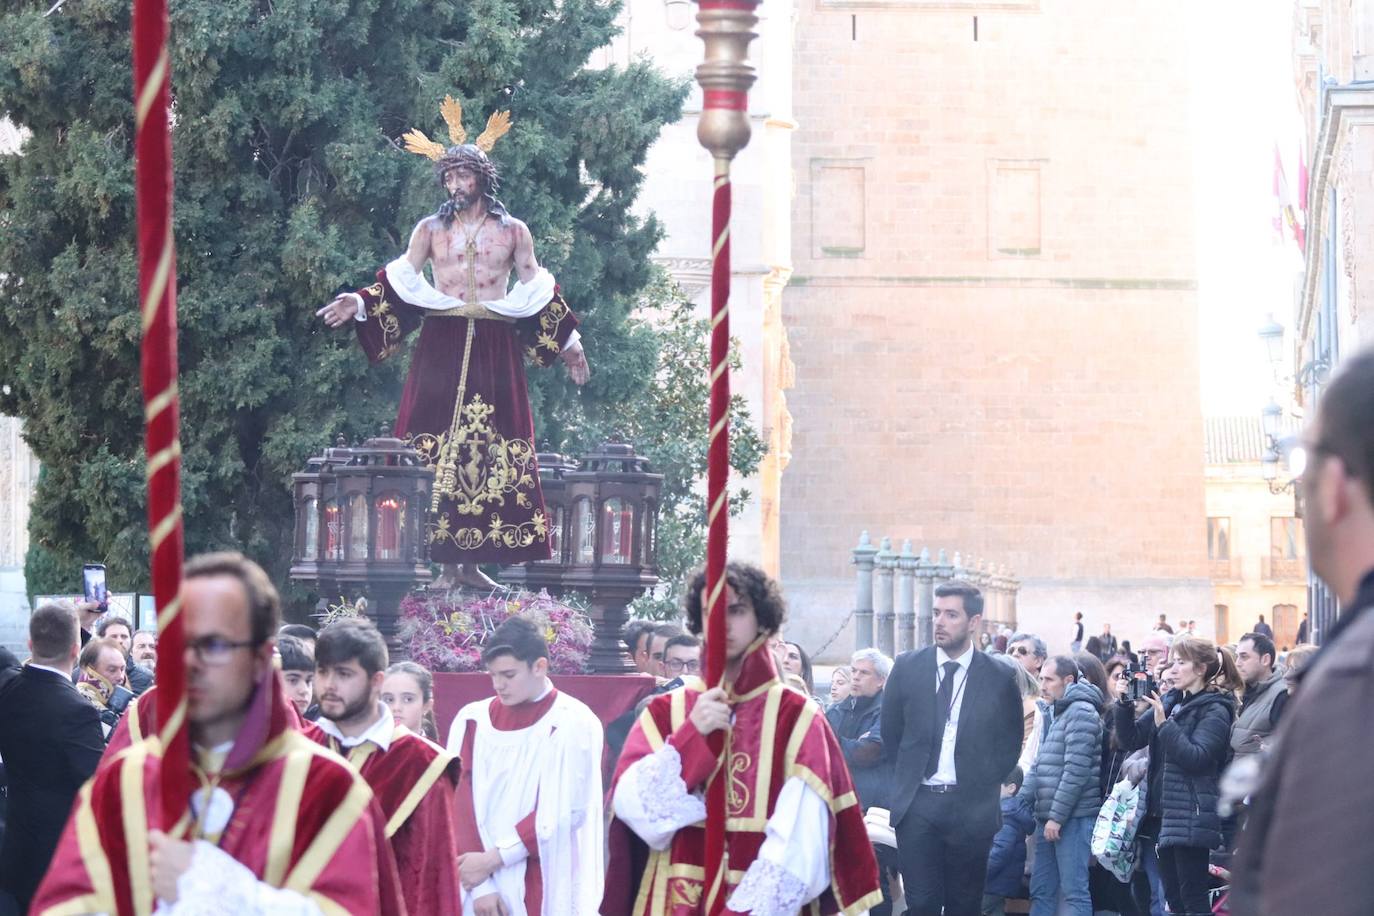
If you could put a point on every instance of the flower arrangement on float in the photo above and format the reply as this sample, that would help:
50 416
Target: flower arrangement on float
447 632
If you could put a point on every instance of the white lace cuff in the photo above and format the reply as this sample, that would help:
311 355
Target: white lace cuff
663 793
768 889
217 884
653 798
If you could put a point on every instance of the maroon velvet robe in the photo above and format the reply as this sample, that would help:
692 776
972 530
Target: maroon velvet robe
493 510
413 780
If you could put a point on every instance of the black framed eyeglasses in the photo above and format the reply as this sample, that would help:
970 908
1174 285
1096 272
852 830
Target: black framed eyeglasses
1020 650
215 650
678 666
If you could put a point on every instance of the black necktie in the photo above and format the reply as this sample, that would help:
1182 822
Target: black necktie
944 699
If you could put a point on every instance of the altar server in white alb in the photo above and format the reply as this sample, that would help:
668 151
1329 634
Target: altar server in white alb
529 810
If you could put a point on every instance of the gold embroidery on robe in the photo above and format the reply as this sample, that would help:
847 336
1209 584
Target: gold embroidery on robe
503 533
684 892
549 319
490 468
387 320
738 796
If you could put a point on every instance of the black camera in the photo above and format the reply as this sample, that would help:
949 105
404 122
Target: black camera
1140 683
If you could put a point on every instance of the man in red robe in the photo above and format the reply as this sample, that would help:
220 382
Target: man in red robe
794 832
412 777
465 407
253 839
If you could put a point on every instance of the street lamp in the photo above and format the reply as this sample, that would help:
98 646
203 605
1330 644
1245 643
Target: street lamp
1271 421
603 526
1271 335
360 526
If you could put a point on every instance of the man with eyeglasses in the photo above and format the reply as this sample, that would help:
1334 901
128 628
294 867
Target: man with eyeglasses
274 824
1306 847
658 645
682 657
1155 654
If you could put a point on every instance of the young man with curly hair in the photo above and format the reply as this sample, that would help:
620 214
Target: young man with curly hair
790 804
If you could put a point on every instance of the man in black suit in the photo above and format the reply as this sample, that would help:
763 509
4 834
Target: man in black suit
952 726
51 742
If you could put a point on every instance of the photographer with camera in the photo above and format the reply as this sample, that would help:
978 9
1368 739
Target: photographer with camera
100 679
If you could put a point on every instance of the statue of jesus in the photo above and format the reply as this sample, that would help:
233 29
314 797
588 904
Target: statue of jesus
465 407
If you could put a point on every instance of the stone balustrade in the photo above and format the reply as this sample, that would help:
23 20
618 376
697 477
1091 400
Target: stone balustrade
895 593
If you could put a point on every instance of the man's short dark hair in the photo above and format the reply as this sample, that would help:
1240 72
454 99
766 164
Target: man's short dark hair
53 630
667 631
748 582
972 597
1346 419
298 630
264 606
1065 666
295 654
346 640
519 637
1015 778
111 621
1263 646
683 639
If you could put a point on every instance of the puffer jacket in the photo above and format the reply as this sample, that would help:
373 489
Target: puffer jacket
1064 780
1187 755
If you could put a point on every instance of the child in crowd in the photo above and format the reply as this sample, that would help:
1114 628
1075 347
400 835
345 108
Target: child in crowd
1007 861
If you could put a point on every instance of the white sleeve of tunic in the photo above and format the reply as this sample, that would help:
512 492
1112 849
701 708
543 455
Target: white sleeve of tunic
217 884
568 821
793 865
652 798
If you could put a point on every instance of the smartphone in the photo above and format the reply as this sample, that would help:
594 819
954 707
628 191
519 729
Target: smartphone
93 585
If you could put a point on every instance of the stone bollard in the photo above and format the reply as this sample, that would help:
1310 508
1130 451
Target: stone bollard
885 566
864 555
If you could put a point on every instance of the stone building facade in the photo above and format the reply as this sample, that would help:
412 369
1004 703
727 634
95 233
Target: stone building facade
993 310
1256 553
1333 58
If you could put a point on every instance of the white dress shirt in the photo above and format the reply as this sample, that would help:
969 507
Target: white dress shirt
944 774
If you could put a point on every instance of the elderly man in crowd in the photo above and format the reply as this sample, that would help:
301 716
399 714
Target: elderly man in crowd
856 722
144 649
1029 650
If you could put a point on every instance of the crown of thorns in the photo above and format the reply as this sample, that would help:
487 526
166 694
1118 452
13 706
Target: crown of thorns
498 125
